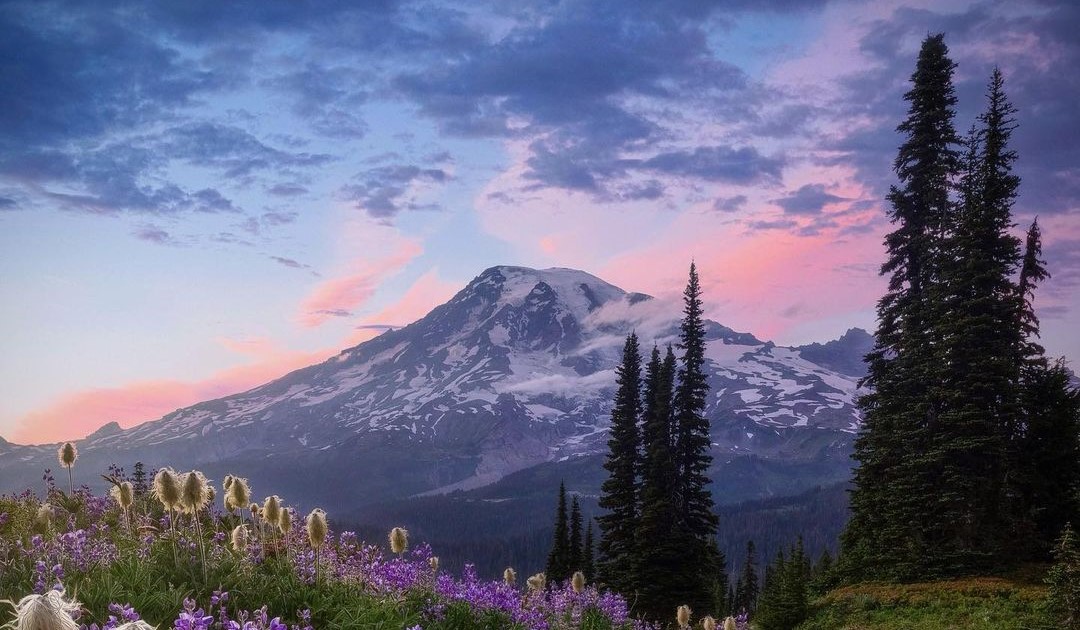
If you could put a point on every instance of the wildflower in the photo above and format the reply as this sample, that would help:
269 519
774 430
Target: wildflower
510 576
254 509
271 509
682 616
729 624
316 528
194 493
124 493
433 562
237 493
167 488
44 516
708 623
285 522
577 582
45 612
67 456
226 482
239 538
536 582
399 540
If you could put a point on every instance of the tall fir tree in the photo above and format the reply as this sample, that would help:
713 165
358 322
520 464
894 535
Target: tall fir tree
1047 451
558 563
968 450
576 550
656 571
746 591
892 498
695 519
1032 272
588 565
619 494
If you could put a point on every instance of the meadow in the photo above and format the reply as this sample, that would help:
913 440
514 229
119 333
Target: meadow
181 554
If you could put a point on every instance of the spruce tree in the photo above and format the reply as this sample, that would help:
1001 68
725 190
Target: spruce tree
139 480
746 592
695 519
657 572
558 563
968 449
893 493
576 551
1032 272
619 492
588 566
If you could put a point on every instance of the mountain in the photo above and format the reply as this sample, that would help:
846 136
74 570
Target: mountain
508 383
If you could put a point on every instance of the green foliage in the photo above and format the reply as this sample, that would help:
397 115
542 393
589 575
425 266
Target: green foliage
559 560
619 494
968 457
968 604
1064 581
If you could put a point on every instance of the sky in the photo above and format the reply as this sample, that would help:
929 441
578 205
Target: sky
197 197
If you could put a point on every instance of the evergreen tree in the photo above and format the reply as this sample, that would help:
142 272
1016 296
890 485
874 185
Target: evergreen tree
783 601
576 551
695 519
619 492
657 573
746 592
1049 451
1032 272
893 494
968 448
558 564
138 480
587 562
1064 581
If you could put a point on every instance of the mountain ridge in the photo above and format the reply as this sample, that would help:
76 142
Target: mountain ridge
515 370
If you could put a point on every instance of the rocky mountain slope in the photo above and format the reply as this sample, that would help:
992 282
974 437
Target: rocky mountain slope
515 372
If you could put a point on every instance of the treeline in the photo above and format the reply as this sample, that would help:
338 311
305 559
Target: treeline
657 532
968 457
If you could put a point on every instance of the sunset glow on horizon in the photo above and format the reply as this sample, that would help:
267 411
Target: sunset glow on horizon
197 198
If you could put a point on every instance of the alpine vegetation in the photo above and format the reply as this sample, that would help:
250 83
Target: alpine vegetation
214 573
67 456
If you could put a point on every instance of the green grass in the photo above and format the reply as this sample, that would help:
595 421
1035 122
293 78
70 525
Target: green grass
981 602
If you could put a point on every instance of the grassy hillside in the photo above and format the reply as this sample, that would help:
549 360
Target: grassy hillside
982 602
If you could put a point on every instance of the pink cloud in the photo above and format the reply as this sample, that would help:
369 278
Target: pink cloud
340 296
76 414
426 293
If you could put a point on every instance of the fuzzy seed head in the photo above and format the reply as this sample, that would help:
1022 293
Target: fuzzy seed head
729 624
46 612
399 540
167 488
238 492
433 562
682 615
67 455
537 582
708 623
195 492
285 521
239 538
316 528
254 509
271 510
124 493
135 625
226 482
45 515
510 576
578 581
